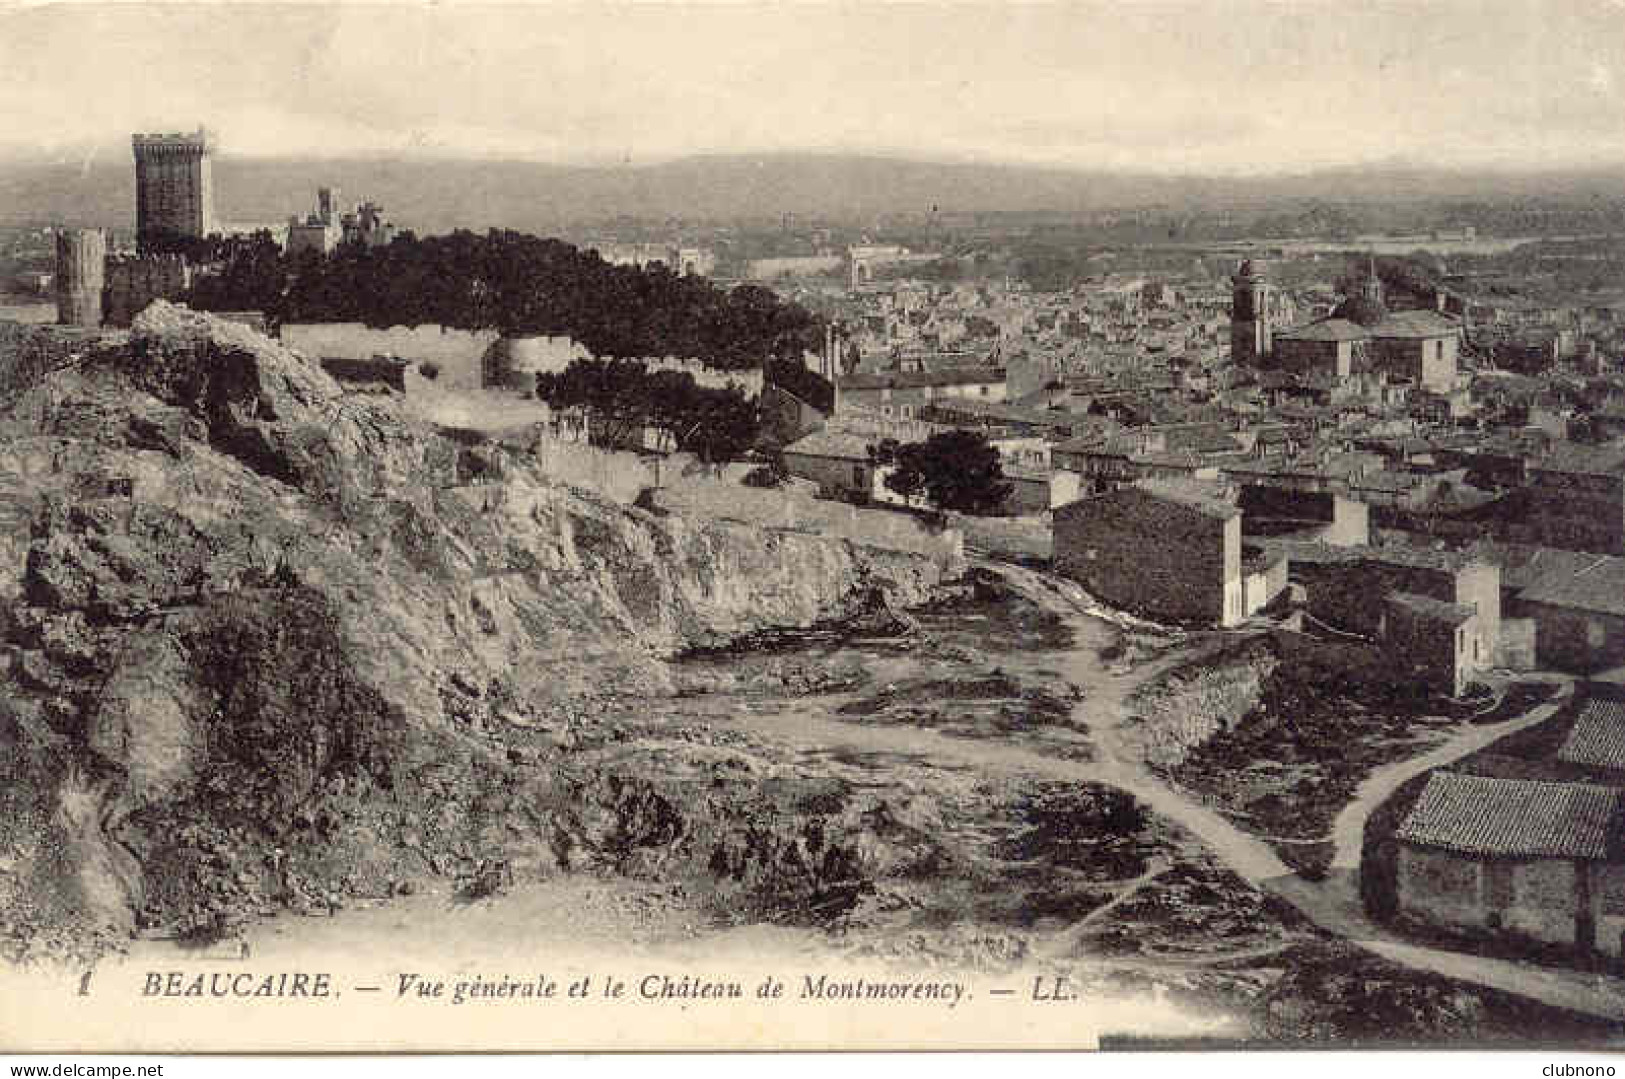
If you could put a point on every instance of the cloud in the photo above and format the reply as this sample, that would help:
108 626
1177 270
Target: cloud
1242 86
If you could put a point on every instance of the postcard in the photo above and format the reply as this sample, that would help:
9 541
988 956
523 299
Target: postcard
717 527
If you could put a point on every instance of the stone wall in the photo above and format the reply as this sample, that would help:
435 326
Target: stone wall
617 475
1263 583
786 417
834 475
514 362
1535 900
1577 513
1150 556
1345 594
459 354
133 284
1573 640
1030 538
1425 649
1517 648
1543 901
792 511
1608 899
1440 888
1029 495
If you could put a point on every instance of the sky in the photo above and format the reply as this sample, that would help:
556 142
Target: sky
1225 87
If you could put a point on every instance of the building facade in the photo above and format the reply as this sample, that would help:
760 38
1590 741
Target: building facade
1155 550
1577 498
839 463
174 187
1526 859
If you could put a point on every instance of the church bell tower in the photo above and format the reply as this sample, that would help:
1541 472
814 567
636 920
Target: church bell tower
1249 316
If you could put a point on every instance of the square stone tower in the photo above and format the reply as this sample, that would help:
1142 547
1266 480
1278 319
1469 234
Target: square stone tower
174 186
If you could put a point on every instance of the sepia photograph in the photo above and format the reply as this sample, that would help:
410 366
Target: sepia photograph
812 527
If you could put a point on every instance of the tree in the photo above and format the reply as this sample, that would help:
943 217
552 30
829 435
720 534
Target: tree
957 470
623 397
522 284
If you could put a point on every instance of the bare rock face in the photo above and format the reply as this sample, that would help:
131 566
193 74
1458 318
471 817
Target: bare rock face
269 643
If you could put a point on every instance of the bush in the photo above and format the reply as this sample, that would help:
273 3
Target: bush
429 370
766 476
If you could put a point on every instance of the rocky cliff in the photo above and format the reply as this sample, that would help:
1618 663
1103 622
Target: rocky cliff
266 643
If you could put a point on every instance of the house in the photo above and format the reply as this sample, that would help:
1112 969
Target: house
1531 859
1419 347
1034 491
1164 551
1263 577
839 463
1577 498
785 417
905 393
1327 348
1579 615
1566 608
1347 588
1431 642
1323 516
1597 737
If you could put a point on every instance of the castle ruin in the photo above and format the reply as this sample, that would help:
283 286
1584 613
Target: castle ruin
174 187
81 257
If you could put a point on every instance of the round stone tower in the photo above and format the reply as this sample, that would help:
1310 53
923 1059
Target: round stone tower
81 261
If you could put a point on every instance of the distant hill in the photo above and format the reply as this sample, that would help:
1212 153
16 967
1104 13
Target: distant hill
437 195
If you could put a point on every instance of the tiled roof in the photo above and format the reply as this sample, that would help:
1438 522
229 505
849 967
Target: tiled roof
1598 586
1192 495
897 380
1327 329
1314 552
1554 573
994 410
1518 818
830 444
1415 324
1598 735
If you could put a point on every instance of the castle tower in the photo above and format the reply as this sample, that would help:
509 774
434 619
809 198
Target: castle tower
174 186
327 205
1249 316
81 261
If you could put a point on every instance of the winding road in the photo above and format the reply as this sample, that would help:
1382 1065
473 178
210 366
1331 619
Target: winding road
1332 903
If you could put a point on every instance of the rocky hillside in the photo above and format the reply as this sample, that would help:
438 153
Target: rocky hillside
264 643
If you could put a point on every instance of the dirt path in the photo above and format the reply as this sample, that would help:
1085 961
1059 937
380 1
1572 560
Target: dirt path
1066 944
1333 903
1349 826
